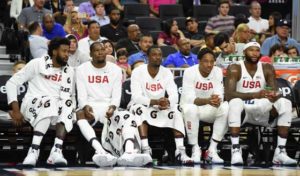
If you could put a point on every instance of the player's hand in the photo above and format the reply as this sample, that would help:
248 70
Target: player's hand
260 94
17 117
215 100
110 111
163 103
272 95
88 112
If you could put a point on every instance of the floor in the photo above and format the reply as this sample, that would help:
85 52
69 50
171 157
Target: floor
156 171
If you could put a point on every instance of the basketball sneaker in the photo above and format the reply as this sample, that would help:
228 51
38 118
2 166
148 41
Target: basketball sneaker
131 159
236 155
212 157
104 159
281 157
181 157
196 154
147 155
32 157
56 157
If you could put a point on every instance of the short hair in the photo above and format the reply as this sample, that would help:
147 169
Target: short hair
98 3
145 35
223 2
221 38
114 8
152 48
276 47
56 43
291 47
33 27
94 44
91 22
204 51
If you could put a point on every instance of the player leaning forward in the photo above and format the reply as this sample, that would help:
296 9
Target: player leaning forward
48 99
99 94
202 99
149 84
245 88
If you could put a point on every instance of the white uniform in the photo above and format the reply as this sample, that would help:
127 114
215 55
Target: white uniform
144 88
100 88
196 86
257 110
43 93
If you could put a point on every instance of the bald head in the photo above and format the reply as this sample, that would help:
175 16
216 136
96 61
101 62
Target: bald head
184 46
134 32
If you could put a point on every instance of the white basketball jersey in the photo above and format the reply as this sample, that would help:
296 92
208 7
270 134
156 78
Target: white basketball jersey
247 83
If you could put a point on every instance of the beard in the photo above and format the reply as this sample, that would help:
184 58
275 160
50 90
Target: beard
114 22
61 61
249 59
99 61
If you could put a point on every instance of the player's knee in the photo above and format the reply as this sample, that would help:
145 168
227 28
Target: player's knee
80 115
236 104
189 109
285 104
223 109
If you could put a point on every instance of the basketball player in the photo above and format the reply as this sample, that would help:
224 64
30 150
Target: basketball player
245 85
47 101
99 94
202 99
149 84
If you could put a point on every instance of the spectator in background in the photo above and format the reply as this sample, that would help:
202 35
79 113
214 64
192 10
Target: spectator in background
61 16
76 57
37 43
122 62
55 5
18 66
130 42
51 29
154 5
292 51
114 31
222 22
183 58
31 14
274 18
239 19
242 36
94 36
256 23
74 26
170 35
109 48
276 50
282 37
227 46
100 16
145 43
87 8
209 43
192 32
17 6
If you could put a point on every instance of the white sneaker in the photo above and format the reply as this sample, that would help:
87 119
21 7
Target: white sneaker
56 157
104 159
196 155
281 157
147 152
32 157
181 156
131 159
236 156
212 157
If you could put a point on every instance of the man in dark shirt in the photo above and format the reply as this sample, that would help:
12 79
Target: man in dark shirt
131 43
114 30
193 33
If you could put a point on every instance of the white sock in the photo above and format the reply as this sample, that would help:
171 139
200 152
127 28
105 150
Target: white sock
179 142
145 142
36 140
235 140
58 141
281 141
213 145
89 133
129 146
